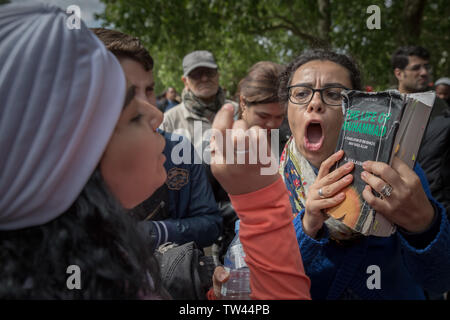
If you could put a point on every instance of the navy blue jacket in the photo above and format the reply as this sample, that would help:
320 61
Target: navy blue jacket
193 214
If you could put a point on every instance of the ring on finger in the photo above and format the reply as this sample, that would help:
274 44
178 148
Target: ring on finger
320 192
386 191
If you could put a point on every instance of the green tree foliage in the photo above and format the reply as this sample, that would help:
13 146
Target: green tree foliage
242 32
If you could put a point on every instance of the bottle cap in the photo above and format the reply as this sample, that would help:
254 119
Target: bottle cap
236 226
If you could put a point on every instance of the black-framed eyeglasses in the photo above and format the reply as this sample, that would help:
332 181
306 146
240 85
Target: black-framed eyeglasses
300 94
199 72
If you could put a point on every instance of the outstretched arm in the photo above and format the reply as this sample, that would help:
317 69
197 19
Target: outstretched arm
262 204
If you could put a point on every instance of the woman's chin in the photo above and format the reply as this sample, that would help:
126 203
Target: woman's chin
163 177
315 160
156 184
315 157
316 153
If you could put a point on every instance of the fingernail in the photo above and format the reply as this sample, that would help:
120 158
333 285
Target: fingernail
341 195
349 165
228 106
365 165
223 276
364 174
348 178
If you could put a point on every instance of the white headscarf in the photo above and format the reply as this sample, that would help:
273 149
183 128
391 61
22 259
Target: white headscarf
61 94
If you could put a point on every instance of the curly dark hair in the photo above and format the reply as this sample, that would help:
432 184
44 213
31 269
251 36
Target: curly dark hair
96 234
318 54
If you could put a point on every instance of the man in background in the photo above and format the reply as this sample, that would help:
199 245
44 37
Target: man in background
170 100
183 209
442 87
411 67
202 98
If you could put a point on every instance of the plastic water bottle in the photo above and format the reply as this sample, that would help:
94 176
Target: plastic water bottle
238 285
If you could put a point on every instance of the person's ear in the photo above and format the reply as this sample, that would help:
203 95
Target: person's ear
184 79
398 73
242 104
242 108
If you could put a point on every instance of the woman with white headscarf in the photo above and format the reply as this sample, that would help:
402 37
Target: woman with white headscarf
73 156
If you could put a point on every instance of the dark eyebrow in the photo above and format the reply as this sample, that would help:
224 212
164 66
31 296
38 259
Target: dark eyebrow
304 84
326 85
334 84
131 92
419 65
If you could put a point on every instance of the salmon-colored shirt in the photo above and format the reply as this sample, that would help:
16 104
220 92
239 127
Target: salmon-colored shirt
270 244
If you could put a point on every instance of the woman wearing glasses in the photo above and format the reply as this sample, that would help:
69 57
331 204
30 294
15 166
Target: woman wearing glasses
340 263
343 264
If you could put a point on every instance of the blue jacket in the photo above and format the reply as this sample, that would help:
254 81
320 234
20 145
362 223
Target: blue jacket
193 211
342 272
170 104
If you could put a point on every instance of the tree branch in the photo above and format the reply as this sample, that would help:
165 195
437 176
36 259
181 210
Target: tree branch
290 25
324 19
412 15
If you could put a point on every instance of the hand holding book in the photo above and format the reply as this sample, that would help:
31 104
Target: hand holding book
378 127
330 185
408 205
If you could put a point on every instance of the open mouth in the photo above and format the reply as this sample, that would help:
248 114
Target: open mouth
314 136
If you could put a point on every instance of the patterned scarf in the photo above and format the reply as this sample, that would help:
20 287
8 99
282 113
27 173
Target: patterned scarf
200 108
298 175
